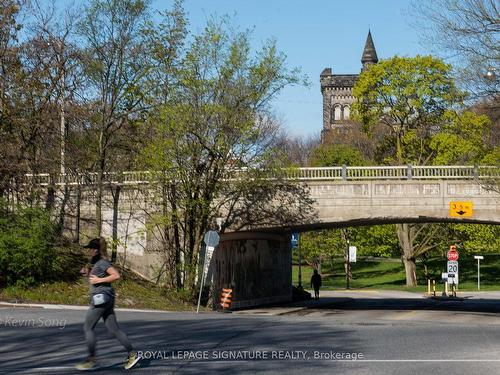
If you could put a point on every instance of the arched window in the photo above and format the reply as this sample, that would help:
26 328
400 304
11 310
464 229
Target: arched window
338 115
347 112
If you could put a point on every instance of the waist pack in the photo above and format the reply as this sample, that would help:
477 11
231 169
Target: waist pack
100 299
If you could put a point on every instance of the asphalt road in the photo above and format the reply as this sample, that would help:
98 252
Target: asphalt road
346 334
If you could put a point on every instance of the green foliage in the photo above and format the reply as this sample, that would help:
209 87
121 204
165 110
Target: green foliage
462 140
327 155
476 238
320 247
378 240
388 273
214 119
317 247
133 292
410 96
27 253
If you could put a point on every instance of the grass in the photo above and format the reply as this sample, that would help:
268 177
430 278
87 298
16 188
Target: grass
389 274
131 292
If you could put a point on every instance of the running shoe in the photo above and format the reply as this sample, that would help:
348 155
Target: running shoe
132 359
89 364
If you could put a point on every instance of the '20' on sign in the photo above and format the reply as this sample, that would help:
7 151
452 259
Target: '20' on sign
452 266
452 272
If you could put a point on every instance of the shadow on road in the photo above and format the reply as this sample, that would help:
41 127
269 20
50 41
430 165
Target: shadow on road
24 349
464 304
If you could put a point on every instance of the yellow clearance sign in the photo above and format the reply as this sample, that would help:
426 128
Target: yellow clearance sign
461 209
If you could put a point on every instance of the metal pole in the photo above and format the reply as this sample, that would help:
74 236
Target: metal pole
300 263
478 275
348 268
202 278
201 286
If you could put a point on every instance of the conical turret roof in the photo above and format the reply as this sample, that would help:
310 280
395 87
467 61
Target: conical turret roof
369 53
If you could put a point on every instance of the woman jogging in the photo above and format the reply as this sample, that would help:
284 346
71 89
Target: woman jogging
102 303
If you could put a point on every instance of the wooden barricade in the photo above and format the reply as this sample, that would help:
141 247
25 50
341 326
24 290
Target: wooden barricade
226 297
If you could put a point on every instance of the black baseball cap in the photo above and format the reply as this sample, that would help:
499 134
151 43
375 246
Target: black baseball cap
94 244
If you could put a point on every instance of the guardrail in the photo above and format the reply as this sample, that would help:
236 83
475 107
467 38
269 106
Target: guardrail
345 173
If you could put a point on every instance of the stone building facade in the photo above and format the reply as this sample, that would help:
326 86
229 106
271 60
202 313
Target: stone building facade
337 93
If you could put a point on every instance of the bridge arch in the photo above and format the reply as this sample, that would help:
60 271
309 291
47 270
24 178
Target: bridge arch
257 264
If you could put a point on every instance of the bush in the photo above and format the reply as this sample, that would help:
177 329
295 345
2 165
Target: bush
27 247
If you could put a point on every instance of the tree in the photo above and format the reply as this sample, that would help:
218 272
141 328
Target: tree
9 72
216 122
299 149
476 238
115 66
463 139
331 155
410 96
466 31
321 246
377 240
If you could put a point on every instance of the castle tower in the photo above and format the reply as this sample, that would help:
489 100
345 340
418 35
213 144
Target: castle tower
337 92
369 53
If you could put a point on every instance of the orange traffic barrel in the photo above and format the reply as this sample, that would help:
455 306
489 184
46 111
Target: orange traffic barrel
226 297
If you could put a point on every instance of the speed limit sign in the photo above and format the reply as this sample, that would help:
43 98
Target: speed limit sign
453 270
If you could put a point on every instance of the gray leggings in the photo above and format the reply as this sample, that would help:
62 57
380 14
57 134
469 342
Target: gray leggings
107 312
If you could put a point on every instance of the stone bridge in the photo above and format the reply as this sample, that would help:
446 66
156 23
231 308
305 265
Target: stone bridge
248 261
257 264
377 195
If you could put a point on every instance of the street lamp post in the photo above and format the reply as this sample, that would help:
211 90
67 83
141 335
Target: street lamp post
491 73
491 80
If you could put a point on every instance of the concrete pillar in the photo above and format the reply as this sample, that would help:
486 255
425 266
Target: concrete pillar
257 266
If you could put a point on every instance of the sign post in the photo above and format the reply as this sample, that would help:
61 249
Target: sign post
296 243
348 265
452 269
211 240
478 257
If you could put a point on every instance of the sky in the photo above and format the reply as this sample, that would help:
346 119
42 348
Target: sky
314 34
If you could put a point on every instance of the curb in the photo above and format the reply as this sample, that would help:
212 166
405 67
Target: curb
72 307
278 312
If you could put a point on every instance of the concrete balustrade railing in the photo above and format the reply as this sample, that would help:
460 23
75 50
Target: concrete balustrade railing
406 172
